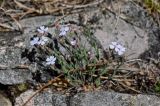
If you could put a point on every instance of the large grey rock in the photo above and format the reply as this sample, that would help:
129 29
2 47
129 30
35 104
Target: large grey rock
117 30
10 57
50 99
10 77
132 27
24 97
11 47
101 98
138 16
133 31
113 99
45 98
31 24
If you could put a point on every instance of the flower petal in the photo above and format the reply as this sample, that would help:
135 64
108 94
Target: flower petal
62 33
46 29
114 43
73 42
48 63
119 46
36 38
111 46
52 62
51 58
40 31
123 49
45 39
117 49
32 42
120 53
54 59
42 43
66 28
48 59
42 27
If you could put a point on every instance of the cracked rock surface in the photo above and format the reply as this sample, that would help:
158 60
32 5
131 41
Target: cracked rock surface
101 98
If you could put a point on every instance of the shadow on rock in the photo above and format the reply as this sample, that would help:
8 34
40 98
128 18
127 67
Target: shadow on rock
154 45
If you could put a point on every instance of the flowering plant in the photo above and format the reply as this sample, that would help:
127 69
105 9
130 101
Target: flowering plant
66 53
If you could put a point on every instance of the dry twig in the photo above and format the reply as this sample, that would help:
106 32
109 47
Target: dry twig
6 26
82 6
129 87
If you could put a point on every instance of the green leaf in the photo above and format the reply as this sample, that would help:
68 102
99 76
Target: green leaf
98 82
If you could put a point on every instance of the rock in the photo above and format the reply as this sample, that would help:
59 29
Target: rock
31 24
137 15
133 38
49 98
10 77
108 29
4 101
113 99
10 56
133 27
45 98
133 31
24 97
101 98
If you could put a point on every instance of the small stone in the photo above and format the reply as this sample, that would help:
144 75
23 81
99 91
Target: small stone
4 101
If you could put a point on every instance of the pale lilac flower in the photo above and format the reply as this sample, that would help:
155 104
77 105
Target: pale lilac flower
62 33
50 60
113 45
34 41
63 30
120 53
43 40
42 29
118 48
73 42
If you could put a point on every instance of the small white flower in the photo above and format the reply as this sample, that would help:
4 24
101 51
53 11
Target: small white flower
63 30
42 29
34 41
123 49
62 33
120 53
50 60
118 48
73 42
113 45
43 40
